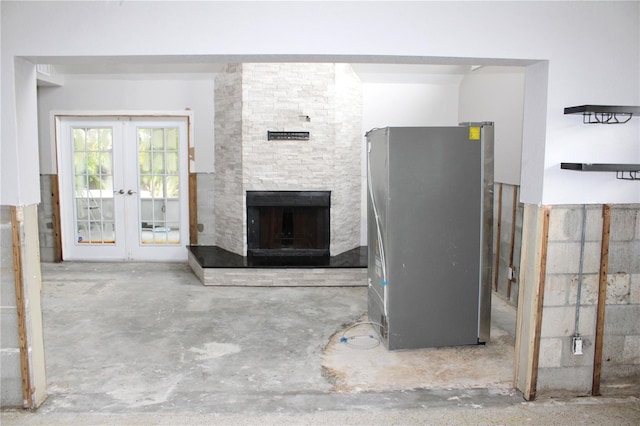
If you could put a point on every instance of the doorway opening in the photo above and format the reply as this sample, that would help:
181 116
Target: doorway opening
147 227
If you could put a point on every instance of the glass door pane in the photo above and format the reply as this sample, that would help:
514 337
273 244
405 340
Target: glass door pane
93 186
159 185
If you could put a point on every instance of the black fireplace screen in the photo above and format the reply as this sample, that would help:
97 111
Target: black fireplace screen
288 223
292 227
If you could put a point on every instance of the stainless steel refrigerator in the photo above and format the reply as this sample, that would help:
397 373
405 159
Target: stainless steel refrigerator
430 209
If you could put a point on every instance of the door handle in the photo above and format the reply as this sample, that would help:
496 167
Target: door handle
120 192
130 192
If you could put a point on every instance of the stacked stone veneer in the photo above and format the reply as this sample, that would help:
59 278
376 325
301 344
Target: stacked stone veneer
252 99
559 368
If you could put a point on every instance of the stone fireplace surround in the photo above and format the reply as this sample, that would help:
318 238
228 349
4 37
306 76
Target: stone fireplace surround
251 100
322 99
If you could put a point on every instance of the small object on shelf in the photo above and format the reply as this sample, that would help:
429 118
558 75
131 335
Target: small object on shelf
604 114
623 171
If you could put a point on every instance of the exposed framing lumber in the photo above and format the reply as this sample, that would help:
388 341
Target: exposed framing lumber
193 188
602 299
520 307
540 303
193 209
498 229
23 342
55 219
514 211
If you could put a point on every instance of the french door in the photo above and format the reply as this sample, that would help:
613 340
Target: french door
123 188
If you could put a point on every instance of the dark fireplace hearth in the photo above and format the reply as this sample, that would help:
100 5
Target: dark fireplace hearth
288 228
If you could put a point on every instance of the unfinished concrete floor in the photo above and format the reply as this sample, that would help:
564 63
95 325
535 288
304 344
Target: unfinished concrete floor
148 344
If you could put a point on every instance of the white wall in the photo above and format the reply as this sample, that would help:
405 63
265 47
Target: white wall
396 105
497 94
388 105
589 68
19 134
110 94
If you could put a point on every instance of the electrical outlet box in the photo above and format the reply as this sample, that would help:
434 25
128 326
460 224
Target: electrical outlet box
577 345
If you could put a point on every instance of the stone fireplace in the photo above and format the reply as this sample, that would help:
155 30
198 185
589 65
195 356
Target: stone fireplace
322 102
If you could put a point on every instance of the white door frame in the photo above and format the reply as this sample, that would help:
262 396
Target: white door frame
58 116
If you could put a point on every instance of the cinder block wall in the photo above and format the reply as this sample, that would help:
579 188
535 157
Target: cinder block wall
205 209
506 285
45 221
559 369
10 377
621 351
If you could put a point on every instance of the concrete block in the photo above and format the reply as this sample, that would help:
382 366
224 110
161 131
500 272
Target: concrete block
10 379
618 289
5 215
515 289
9 328
623 223
631 350
624 256
622 320
613 348
565 223
575 379
6 236
584 360
47 254
617 374
7 286
556 289
589 291
634 289
550 352
564 258
558 321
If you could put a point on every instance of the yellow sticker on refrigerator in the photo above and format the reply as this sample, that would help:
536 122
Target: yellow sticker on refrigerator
474 133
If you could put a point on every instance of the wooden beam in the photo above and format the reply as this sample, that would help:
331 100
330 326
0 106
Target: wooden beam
55 218
498 228
23 341
193 209
514 210
540 303
602 299
193 187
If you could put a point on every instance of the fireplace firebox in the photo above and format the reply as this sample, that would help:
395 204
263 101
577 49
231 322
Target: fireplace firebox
288 228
